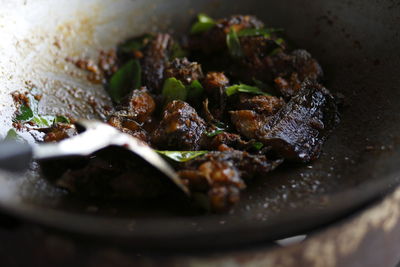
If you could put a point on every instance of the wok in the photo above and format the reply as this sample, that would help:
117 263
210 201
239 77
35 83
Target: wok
356 42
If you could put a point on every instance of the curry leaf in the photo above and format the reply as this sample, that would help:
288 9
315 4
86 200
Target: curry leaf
194 90
127 78
203 24
231 90
181 156
178 52
258 145
266 32
233 43
174 89
137 43
43 121
12 135
25 113
215 132
61 119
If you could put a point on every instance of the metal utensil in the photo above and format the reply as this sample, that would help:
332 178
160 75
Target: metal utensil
94 136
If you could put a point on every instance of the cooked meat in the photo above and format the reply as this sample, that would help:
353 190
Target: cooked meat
181 128
215 80
245 132
155 58
224 141
114 173
128 126
215 84
214 40
253 65
248 122
299 129
138 105
262 104
218 174
184 70
291 70
60 131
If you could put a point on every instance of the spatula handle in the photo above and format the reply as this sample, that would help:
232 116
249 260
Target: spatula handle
14 156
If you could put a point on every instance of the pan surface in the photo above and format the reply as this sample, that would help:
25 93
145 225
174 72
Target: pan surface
356 42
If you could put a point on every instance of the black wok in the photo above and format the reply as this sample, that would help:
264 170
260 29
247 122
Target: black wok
356 42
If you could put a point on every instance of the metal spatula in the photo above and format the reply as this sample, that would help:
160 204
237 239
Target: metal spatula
94 136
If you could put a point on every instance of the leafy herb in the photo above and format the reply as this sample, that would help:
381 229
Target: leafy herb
29 112
12 135
219 128
43 121
25 113
194 90
258 145
137 43
231 90
266 32
203 24
181 156
215 132
127 78
233 43
174 89
61 119
178 52
279 41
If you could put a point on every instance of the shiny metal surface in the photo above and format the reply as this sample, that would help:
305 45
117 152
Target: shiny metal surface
98 135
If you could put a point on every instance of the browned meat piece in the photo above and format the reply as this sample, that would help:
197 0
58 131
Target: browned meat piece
291 70
214 40
219 179
184 70
215 84
262 104
253 66
248 165
138 105
299 129
227 140
215 80
218 174
155 57
248 122
181 128
128 126
60 131
114 173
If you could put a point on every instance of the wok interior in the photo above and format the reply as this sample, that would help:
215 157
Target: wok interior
356 44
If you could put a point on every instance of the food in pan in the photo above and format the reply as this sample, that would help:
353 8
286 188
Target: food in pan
228 102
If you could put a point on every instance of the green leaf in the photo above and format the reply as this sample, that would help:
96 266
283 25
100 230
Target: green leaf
137 43
61 119
126 79
25 113
231 90
195 90
258 145
181 156
215 132
233 43
43 121
203 24
266 32
12 135
174 89
178 52
219 128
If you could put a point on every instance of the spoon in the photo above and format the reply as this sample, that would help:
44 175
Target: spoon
94 136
